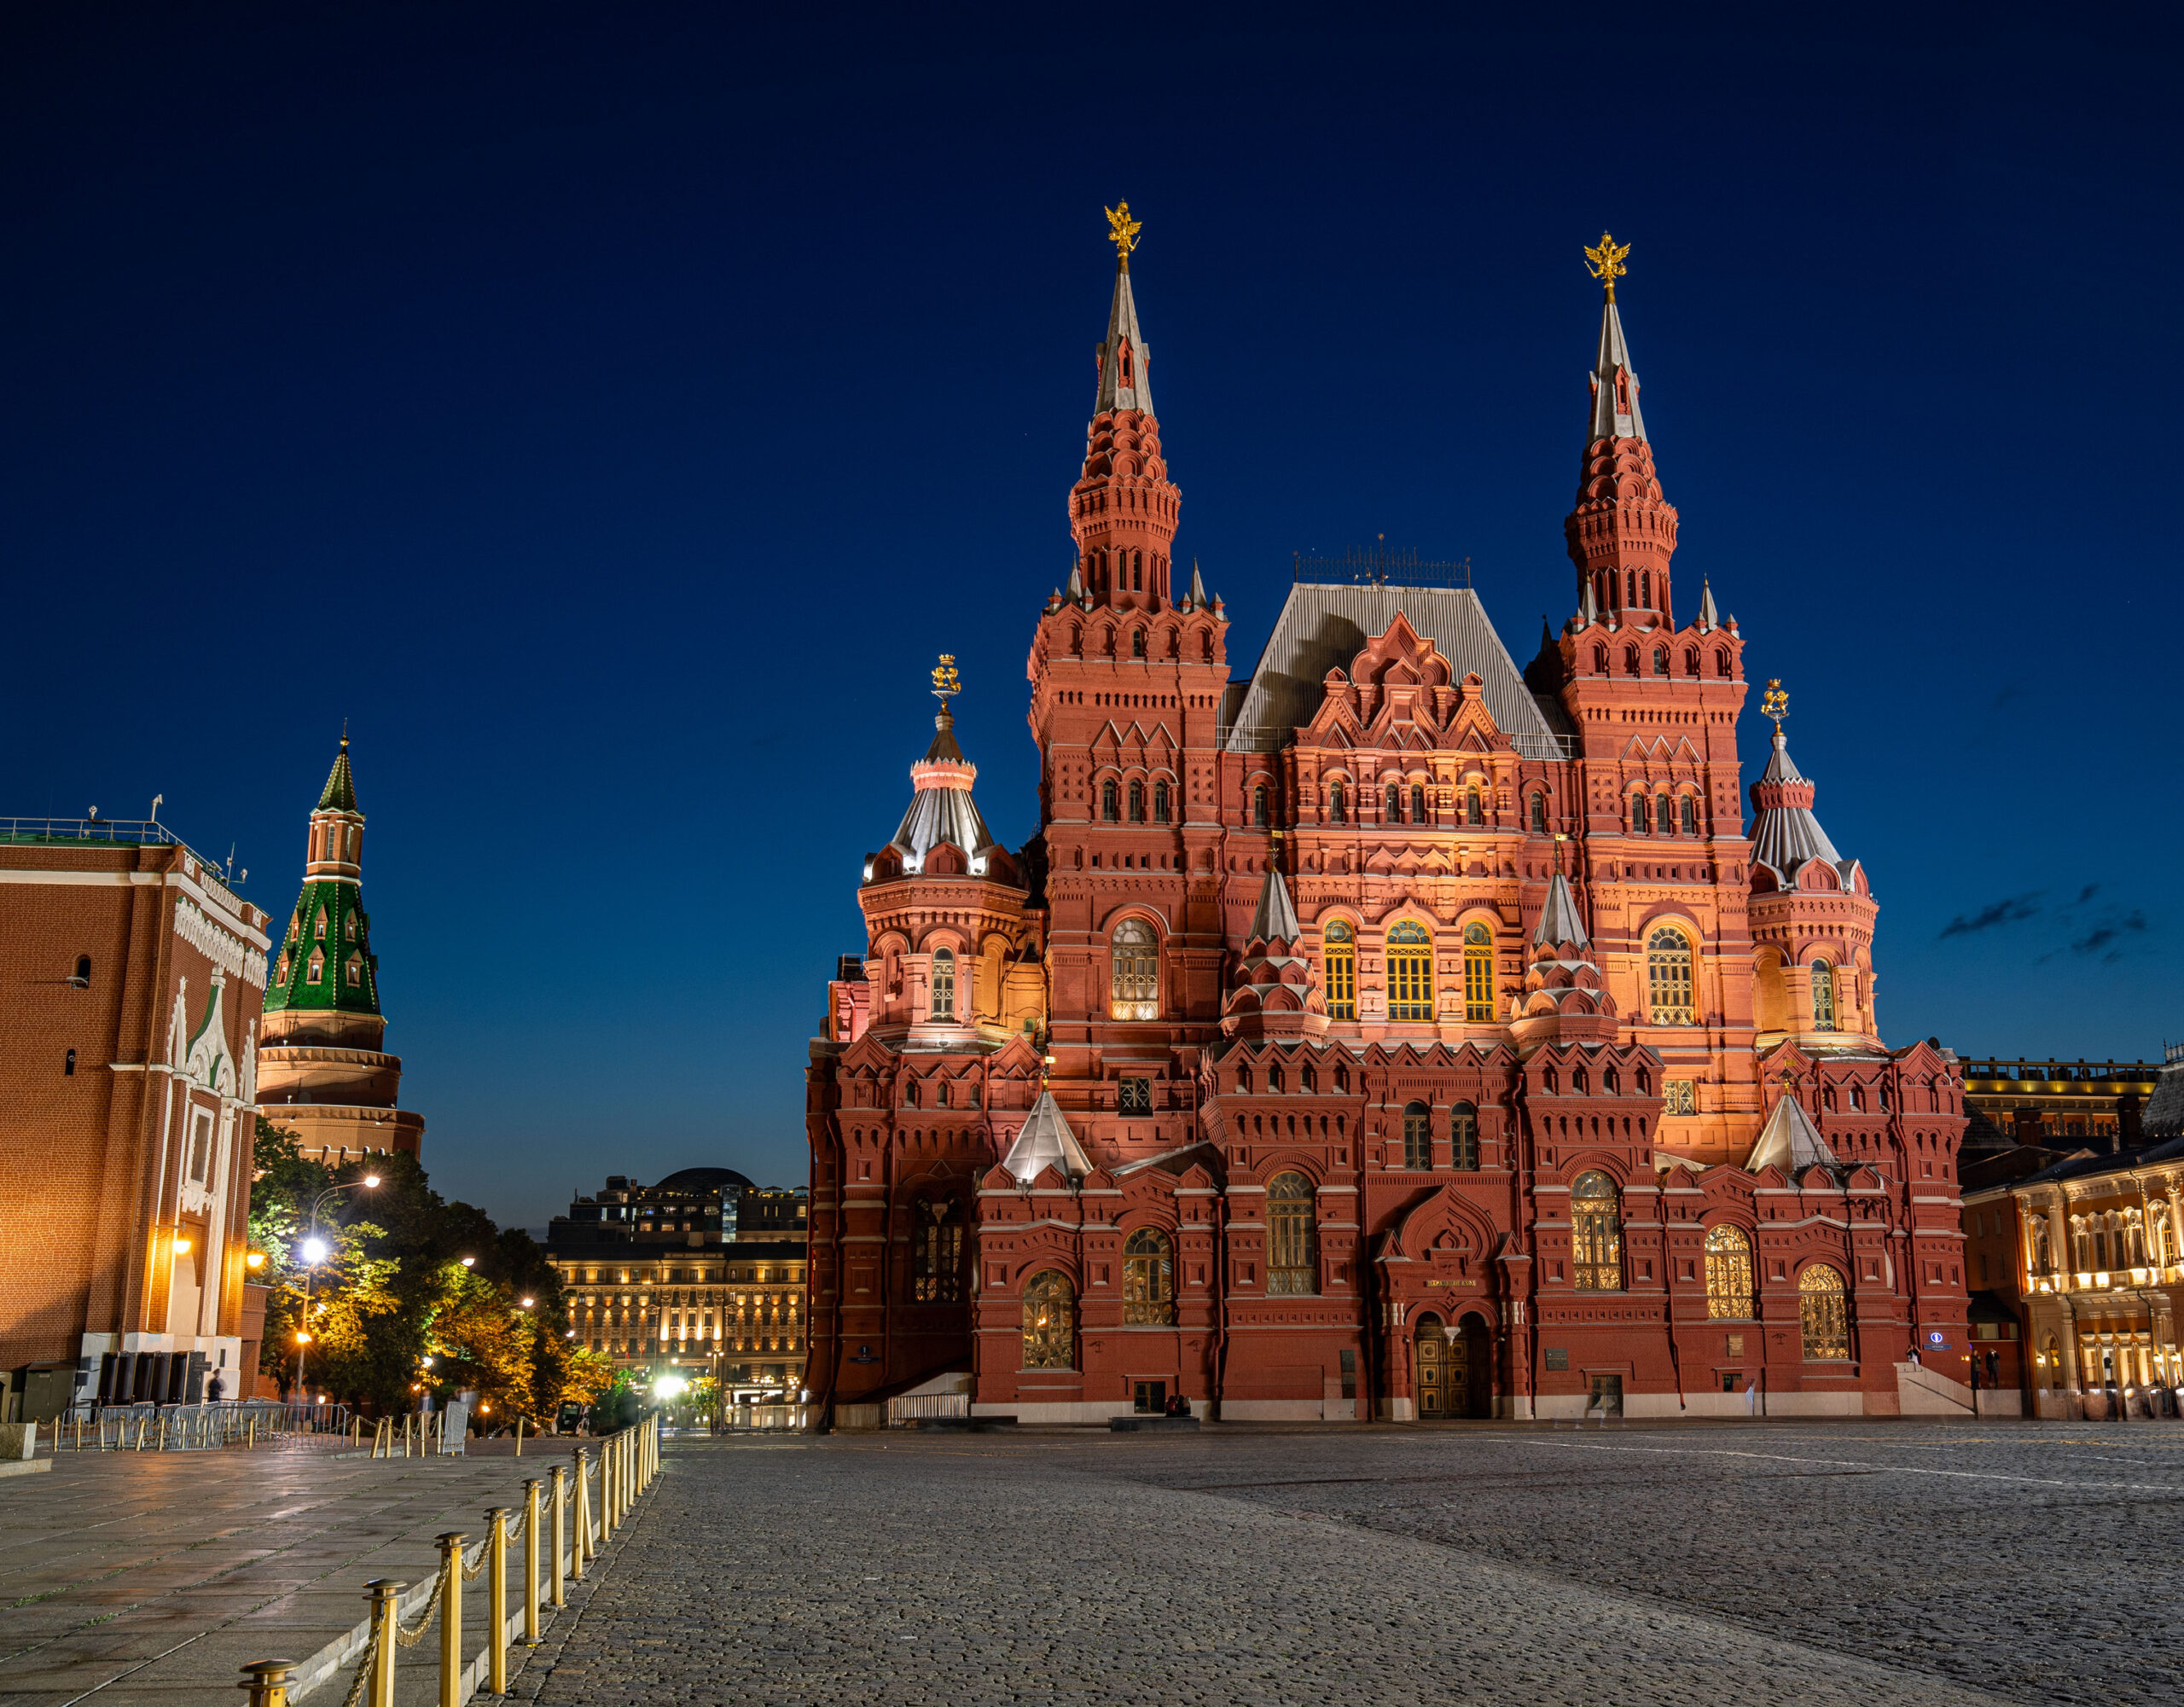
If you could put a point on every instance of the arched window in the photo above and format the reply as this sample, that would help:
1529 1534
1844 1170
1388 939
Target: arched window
1630 598
1138 643
2100 1244
1721 660
1292 1238
1111 809
1133 985
1137 802
1691 661
1463 1137
353 971
1640 815
1645 576
2043 1255
937 1253
1824 1315
2136 1233
1418 815
2081 1246
1668 976
82 977
1161 811
1395 803
1479 975
944 984
1137 582
1148 1278
349 928
1417 1137
1728 1274
1599 661
1660 660
315 972
1629 660
1595 1235
1410 972
1687 815
1335 807
318 929
1539 815
1472 813
1339 955
1665 816
1823 996
1258 805
1049 1321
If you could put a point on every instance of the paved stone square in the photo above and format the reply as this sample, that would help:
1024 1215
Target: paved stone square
1806 1563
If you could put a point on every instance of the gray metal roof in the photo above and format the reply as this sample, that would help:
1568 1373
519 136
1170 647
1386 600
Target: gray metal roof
1614 354
1325 626
1784 838
1122 324
1276 917
1046 1141
1558 920
1791 1141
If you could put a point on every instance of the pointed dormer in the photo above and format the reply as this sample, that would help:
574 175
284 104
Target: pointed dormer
1045 1140
1621 534
1565 999
1124 510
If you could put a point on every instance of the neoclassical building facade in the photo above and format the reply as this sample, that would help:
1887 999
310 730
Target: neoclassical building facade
1386 1031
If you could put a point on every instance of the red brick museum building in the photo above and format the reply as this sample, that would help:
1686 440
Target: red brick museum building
1384 1032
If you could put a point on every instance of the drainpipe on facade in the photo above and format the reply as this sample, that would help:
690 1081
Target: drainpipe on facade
1220 1303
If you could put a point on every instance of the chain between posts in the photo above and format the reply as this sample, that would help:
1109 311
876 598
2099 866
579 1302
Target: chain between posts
629 1462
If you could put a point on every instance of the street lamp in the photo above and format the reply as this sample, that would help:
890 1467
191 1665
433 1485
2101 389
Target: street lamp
314 1250
469 1262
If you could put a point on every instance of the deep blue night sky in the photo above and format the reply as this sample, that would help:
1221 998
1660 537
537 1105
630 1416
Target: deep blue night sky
612 414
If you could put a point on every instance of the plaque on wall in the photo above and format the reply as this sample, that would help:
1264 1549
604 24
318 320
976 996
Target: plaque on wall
1558 1357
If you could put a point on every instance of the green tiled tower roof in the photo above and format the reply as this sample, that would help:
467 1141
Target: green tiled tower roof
325 962
340 794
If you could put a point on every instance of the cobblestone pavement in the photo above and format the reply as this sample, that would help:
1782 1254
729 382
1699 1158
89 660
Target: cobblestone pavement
1819 1563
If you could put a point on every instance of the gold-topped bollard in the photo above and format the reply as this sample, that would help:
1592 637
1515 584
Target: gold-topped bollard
584 1516
267 1681
557 1577
451 1619
496 1600
531 1562
386 1594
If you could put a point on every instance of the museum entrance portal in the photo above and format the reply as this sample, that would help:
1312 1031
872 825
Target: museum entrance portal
1451 1370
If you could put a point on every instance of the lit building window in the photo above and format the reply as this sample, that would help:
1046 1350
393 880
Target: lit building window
1410 972
1049 1321
1728 1274
1823 996
1339 957
937 1254
1148 1280
1668 976
944 984
1595 1235
1134 988
1824 1315
1479 975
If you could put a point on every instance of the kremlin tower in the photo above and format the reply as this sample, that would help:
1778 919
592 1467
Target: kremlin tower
320 1073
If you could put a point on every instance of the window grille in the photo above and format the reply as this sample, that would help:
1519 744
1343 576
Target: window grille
1148 1280
1410 973
1479 975
1668 977
1728 1274
1049 1321
1417 1137
1463 1137
944 984
1824 1315
1823 996
1339 957
1134 991
1293 1254
1595 1235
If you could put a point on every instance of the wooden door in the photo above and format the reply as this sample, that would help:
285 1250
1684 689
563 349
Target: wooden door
1432 1363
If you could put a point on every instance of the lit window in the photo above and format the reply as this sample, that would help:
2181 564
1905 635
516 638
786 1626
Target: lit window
1479 975
1049 1321
1335 804
1417 1137
1823 996
938 1254
318 927
1148 1280
1728 1274
1340 959
349 927
1668 976
1134 986
1293 1253
315 972
354 970
1824 1315
1463 1137
1410 973
944 984
1595 1235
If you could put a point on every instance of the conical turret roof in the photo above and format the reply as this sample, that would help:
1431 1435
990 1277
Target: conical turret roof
1790 1141
941 808
1558 921
340 794
1616 414
1044 1142
1124 360
1785 834
1275 921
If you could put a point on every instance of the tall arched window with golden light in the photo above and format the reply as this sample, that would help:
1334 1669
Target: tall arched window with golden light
937 1253
1292 1237
1595 1233
1049 1321
1824 1315
1478 974
1417 1137
1148 1278
1728 1274
944 984
1823 996
1339 955
1410 972
1134 984
1668 976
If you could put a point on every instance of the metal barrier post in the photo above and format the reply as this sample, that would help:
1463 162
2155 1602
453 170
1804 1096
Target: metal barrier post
519 1437
451 1618
556 1577
386 1596
497 1601
267 1681
531 1562
584 1516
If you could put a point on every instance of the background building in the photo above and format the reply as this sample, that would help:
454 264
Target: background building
2055 1104
320 1071
131 984
700 1275
1389 1032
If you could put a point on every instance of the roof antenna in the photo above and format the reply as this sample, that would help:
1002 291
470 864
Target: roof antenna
158 800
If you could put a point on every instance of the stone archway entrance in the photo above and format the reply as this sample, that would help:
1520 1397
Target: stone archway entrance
1452 1368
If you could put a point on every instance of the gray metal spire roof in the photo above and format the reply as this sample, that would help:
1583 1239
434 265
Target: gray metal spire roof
1589 610
941 808
1615 408
1785 835
1046 1141
1198 587
1558 920
1709 618
1791 1141
1276 917
1324 626
1125 381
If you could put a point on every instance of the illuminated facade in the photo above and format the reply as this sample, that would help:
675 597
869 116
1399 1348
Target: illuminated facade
1389 1031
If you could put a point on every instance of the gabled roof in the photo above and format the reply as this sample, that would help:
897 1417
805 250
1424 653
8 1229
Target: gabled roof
1323 626
1790 1141
1046 1141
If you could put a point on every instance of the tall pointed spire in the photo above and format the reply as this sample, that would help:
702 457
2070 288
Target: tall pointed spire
1124 510
1709 619
1622 533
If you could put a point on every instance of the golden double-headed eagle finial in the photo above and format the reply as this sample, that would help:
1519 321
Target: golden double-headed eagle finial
1122 230
1776 703
945 681
1606 263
